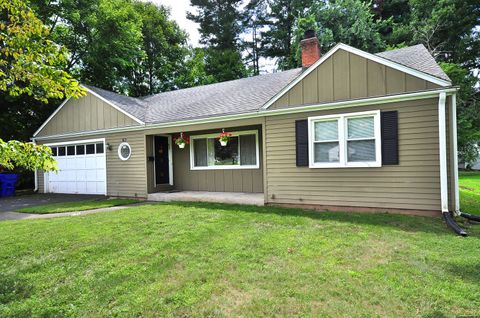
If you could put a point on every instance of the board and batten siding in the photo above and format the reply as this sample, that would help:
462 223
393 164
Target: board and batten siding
413 184
85 114
224 180
124 178
345 76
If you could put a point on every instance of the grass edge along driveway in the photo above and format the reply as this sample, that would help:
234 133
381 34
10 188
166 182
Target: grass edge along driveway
75 206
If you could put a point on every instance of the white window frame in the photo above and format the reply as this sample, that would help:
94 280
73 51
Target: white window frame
119 151
226 167
342 139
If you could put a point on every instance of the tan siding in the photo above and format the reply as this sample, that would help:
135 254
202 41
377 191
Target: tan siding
85 114
413 184
235 180
344 76
124 178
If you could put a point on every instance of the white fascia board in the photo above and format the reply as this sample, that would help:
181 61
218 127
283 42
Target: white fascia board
366 55
50 117
114 106
256 114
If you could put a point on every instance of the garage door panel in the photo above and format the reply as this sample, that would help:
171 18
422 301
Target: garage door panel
78 172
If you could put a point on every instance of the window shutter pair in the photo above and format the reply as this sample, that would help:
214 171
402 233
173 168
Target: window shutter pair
389 132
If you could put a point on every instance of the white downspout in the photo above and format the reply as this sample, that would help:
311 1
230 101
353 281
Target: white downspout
36 173
455 153
443 151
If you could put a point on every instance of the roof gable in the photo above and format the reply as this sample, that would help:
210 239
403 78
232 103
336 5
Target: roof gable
335 69
87 113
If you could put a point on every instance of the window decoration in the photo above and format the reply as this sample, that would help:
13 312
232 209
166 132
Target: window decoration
124 151
181 141
346 140
224 138
240 152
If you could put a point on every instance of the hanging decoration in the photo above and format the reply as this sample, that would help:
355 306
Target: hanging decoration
224 137
181 141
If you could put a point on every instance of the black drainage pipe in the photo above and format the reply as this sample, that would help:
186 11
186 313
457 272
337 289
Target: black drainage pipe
447 216
470 217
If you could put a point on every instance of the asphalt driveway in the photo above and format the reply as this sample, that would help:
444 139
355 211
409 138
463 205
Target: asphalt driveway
10 204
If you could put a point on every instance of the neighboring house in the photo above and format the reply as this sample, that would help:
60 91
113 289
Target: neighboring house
348 131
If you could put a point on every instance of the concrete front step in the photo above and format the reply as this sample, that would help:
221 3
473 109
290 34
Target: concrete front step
203 196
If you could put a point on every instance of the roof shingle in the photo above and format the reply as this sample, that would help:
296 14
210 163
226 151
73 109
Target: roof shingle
242 95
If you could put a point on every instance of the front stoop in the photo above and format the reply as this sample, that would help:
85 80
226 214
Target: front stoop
201 196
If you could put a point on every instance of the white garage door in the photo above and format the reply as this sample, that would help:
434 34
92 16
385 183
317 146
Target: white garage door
81 168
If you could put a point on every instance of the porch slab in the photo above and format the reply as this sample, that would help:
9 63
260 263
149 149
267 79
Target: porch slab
203 196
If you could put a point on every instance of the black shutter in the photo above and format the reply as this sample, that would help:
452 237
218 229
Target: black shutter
301 137
389 121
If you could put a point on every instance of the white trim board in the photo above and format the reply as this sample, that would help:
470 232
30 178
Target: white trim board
366 55
94 94
442 141
291 110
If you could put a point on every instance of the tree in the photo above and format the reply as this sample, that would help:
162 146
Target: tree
30 63
468 110
220 28
277 40
14 154
194 71
165 51
253 21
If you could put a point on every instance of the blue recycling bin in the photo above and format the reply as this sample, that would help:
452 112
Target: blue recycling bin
7 184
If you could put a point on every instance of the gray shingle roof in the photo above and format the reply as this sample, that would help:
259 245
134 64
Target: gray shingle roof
133 106
416 57
242 95
231 97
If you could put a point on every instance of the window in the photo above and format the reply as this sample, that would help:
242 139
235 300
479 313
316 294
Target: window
71 151
54 151
124 151
99 148
80 149
347 140
61 151
241 151
90 149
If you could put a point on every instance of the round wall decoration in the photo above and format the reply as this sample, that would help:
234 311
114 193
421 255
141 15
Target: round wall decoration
124 151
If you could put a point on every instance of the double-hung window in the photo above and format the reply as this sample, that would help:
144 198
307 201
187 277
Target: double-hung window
241 151
345 140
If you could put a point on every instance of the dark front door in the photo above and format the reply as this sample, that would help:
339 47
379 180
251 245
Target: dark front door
162 165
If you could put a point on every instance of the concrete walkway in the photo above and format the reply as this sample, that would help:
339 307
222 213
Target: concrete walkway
201 196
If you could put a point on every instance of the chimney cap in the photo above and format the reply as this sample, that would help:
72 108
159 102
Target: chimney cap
309 34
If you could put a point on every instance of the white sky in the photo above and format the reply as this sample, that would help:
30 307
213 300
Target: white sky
179 10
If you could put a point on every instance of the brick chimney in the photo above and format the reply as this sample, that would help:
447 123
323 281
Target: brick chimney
310 48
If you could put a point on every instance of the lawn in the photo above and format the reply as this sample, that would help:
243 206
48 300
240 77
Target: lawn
76 206
208 260
469 183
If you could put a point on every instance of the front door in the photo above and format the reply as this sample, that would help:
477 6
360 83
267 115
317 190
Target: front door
162 164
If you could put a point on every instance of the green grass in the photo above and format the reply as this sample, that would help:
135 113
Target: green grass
469 183
75 206
209 260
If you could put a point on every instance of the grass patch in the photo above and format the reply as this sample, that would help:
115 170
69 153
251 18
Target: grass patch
213 260
75 206
469 184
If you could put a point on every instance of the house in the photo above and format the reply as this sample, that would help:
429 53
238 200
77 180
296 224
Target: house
349 131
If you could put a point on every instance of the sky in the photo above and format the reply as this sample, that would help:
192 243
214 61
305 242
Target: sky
178 9
178 12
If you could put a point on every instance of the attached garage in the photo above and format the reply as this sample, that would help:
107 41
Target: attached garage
81 168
